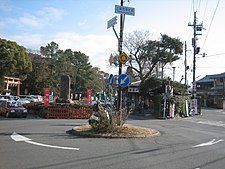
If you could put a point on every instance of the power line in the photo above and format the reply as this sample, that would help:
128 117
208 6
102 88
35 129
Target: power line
212 55
211 23
190 33
205 10
199 5
211 67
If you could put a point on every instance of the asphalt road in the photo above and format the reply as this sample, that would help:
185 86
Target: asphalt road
189 143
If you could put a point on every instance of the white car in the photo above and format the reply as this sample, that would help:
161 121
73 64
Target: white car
30 98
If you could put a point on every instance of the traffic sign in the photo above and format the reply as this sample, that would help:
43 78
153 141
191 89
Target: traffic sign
112 22
123 58
124 10
124 80
111 79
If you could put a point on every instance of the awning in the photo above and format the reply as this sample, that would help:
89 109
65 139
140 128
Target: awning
217 88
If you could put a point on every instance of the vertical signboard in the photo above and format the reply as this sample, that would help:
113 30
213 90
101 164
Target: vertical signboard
89 94
46 96
194 106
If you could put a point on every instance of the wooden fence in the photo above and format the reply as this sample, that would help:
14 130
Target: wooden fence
69 113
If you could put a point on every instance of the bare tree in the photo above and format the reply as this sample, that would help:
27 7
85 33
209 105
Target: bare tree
145 54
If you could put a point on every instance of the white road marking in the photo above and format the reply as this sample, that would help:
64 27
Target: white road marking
18 137
209 143
213 123
207 122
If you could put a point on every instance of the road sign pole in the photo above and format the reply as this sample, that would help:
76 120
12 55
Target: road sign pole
119 103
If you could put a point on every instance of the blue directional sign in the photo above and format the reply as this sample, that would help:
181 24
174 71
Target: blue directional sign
125 10
124 80
111 79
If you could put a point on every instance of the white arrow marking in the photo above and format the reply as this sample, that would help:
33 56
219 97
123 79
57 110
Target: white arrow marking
209 143
17 137
123 80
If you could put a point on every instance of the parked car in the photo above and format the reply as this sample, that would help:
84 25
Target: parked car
8 97
24 101
30 98
38 97
9 108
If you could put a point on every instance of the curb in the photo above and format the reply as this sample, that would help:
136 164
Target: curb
99 135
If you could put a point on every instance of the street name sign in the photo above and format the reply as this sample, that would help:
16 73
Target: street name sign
124 10
124 80
112 22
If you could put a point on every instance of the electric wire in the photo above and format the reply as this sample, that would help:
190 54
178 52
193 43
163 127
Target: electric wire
211 23
199 5
211 67
206 56
206 6
190 33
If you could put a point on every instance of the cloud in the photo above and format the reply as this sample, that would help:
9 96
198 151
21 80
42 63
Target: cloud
97 47
27 20
5 5
2 24
50 13
38 20
34 41
83 23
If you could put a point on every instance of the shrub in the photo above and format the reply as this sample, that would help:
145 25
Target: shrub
109 120
104 121
180 104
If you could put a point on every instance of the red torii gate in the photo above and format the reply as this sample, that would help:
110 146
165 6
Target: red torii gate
12 81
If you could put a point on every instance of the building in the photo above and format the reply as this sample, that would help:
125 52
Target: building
211 88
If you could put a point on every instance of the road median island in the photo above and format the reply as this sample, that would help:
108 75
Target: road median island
126 131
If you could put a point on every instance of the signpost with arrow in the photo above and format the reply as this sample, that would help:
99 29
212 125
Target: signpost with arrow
122 10
124 80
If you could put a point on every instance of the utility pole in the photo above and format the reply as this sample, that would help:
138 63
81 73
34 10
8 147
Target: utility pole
197 31
174 73
185 63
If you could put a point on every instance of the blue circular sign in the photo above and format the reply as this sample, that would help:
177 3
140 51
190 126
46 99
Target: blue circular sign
124 80
111 79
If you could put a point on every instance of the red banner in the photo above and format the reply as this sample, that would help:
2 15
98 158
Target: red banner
89 94
46 96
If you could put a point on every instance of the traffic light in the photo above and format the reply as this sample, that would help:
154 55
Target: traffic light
203 55
197 50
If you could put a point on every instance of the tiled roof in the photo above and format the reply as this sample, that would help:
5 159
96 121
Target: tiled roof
210 78
221 75
207 78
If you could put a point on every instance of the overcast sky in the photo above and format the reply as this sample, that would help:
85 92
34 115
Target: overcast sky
81 25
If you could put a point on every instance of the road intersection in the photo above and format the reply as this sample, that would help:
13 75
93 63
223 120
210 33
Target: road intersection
187 143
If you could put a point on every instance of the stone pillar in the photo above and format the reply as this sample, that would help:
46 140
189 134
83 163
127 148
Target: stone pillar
65 87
